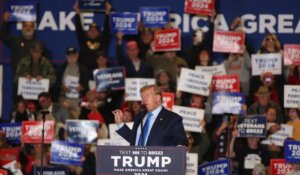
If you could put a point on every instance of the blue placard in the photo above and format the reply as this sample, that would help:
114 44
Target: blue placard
252 126
124 22
228 102
132 160
154 16
12 132
92 5
51 170
66 153
110 78
22 11
292 151
82 131
218 167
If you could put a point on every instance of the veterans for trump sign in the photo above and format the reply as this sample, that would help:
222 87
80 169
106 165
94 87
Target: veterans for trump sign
110 78
191 117
194 82
154 16
82 131
279 167
292 54
133 86
126 23
30 89
228 42
227 102
32 131
252 126
140 160
225 83
291 96
22 11
212 70
167 40
267 62
199 7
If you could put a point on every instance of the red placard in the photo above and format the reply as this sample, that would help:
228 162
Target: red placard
225 83
199 7
292 54
168 100
228 42
8 155
32 131
3 172
167 40
279 167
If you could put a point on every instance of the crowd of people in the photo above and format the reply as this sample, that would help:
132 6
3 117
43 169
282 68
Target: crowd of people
219 138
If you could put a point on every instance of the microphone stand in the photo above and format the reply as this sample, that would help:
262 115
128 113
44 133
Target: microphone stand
228 142
44 113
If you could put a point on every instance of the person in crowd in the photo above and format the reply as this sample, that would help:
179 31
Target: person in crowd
20 46
294 75
293 114
199 147
259 169
69 72
35 66
163 80
94 40
102 60
260 107
267 79
135 66
295 169
21 113
168 131
135 107
144 41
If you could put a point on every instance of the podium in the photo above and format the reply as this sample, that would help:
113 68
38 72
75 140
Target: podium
130 160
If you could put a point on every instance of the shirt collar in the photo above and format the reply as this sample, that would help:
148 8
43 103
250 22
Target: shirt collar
156 111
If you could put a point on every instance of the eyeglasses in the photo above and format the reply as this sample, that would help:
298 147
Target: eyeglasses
269 39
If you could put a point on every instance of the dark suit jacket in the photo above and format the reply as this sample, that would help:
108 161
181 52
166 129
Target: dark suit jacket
167 130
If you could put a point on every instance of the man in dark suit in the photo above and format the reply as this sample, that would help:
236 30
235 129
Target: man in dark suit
154 127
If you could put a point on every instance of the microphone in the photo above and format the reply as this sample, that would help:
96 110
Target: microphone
44 113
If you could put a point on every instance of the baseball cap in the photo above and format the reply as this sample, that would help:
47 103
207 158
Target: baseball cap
71 50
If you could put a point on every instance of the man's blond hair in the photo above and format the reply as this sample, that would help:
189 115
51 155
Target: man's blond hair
155 88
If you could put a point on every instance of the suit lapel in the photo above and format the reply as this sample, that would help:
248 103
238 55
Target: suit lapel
156 128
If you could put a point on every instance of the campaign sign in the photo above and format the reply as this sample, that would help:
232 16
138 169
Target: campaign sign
22 11
199 7
110 78
127 23
92 5
228 102
228 42
12 132
279 167
66 153
225 83
32 131
8 155
267 62
167 40
154 16
133 86
13 168
112 127
292 151
30 89
112 142
3 172
168 100
278 138
191 117
218 167
252 126
291 96
191 164
141 160
212 70
72 83
82 131
51 170
194 82
292 54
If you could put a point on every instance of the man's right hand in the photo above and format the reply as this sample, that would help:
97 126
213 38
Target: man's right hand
6 16
118 116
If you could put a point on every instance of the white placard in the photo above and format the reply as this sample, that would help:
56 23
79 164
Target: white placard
291 96
191 117
112 142
30 89
133 86
194 82
270 62
112 131
212 70
286 131
12 167
191 164
72 83
92 85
